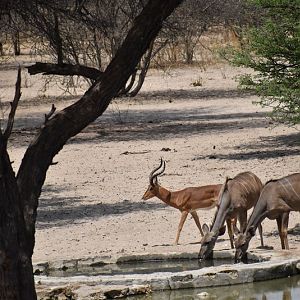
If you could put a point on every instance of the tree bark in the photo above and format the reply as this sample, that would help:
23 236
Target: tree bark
16 273
19 195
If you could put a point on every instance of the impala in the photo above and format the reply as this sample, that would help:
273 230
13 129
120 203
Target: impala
187 200
236 197
278 198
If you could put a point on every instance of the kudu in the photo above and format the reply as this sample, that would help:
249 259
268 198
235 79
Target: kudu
236 197
277 199
187 200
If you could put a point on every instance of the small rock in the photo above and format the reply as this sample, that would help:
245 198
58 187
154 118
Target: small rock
203 295
295 230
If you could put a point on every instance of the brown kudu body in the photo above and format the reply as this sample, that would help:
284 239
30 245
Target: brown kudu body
187 200
278 198
236 197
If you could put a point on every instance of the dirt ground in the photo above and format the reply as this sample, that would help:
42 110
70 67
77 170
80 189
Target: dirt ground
91 201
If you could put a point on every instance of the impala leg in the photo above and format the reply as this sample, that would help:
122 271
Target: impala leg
285 224
230 233
197 221
261 235
184 215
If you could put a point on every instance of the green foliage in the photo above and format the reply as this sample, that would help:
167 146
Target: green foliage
272 50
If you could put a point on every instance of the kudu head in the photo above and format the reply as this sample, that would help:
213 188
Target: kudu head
153 187
207 242
241 244
210 237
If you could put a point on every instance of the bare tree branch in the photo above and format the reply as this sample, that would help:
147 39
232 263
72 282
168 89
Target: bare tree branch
64 69
14 105
50 113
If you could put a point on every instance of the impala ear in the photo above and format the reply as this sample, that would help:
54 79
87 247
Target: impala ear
222 230
205 228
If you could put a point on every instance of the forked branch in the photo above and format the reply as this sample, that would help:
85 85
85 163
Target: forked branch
50 113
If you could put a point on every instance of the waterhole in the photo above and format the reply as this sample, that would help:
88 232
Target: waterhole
139 267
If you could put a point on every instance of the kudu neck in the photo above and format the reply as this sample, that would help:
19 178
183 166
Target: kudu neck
222 211
258 214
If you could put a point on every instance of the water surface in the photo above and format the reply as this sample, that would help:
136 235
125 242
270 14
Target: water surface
276 289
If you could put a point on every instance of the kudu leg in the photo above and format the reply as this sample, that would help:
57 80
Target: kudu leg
197 221
261 235
230 232
184 215
282 224
285 222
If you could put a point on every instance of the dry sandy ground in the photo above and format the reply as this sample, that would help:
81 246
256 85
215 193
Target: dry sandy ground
91 201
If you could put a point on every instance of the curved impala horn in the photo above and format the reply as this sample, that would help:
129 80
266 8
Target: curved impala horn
152 175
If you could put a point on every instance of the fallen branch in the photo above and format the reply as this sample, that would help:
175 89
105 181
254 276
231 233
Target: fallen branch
135 152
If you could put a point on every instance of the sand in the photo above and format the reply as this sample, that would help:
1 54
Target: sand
91 200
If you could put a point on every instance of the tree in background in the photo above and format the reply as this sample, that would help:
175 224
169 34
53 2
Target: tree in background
79 38
272 50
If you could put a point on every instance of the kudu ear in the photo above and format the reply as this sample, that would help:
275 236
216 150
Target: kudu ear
236 230
222 230
205 228
251 230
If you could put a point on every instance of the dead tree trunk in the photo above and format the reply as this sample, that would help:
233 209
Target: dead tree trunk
16 246
19 195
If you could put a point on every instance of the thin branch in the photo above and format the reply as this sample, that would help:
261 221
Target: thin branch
13 107
50 113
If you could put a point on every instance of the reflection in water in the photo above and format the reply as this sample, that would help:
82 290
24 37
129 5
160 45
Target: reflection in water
279 289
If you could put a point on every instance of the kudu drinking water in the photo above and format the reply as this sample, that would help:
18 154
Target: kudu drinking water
187 200
277 199
236 197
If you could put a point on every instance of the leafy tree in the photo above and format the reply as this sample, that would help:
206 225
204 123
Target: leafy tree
272 50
